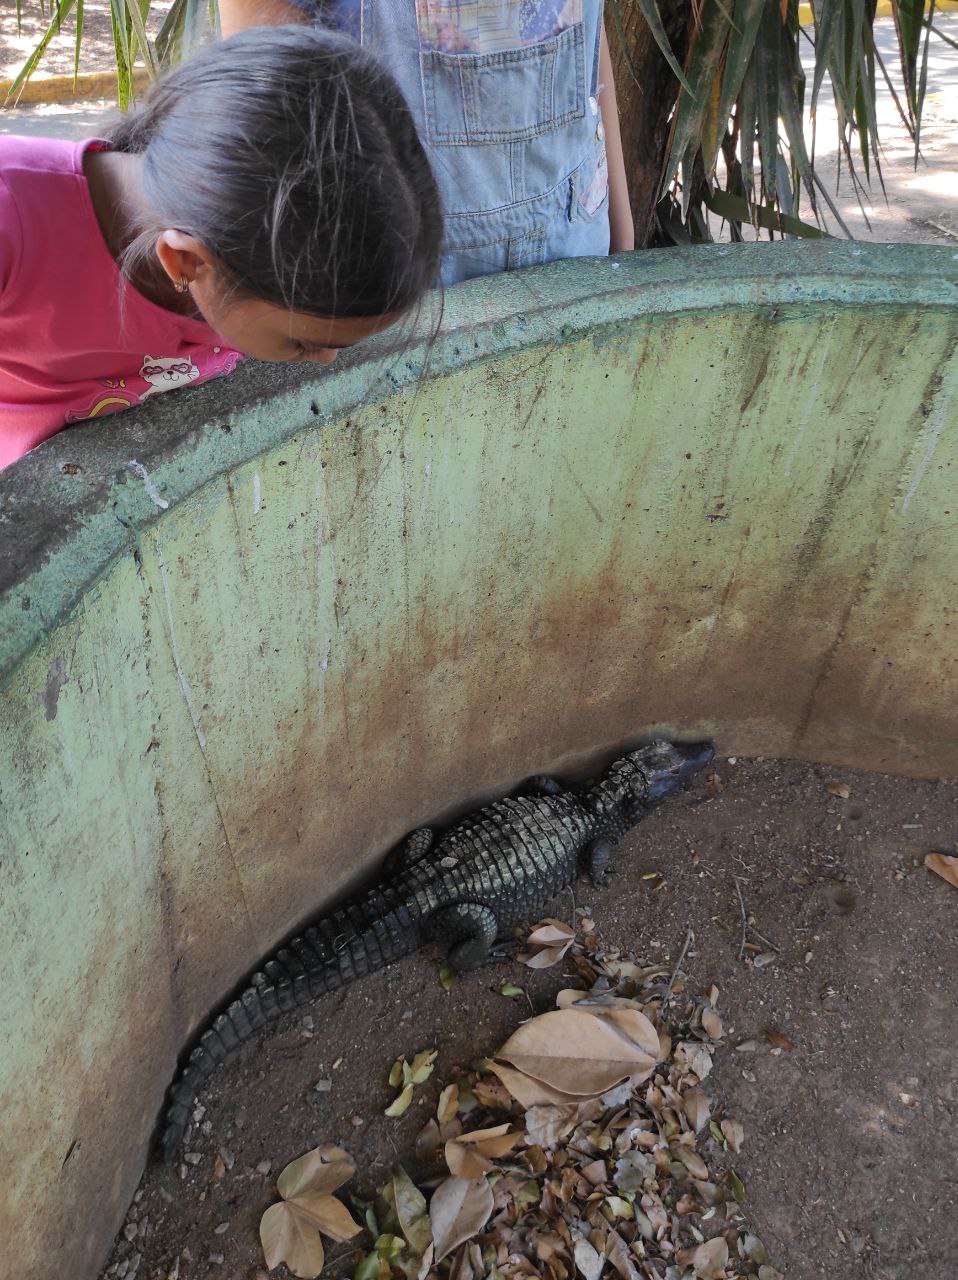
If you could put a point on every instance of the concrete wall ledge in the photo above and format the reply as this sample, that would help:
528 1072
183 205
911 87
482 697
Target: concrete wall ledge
252 633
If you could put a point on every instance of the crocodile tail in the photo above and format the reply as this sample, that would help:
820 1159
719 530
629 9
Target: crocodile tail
325 957
236 1024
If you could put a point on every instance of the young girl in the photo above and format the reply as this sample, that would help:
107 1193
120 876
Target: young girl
270 198
516 107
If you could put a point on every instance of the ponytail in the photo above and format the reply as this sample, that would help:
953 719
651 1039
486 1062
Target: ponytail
290 153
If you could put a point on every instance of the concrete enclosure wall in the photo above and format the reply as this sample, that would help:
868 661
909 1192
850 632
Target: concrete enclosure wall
251 634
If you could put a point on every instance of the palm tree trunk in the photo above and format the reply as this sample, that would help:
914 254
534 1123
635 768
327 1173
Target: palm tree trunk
646 91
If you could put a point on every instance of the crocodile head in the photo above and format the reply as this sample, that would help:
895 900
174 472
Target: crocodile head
645 776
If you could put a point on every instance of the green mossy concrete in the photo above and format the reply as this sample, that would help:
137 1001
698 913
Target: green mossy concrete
711 492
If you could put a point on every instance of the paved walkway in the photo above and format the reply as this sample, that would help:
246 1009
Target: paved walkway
922 205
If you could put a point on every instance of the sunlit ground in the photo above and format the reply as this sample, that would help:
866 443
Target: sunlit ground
922 203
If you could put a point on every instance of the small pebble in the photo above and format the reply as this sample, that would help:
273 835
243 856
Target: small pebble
206 1128
215 1259
134 1266
199 1111
264 1167
193 1157
323 1086
357 1121
129 1231
221 1229
183 1170
337 1063
138 1197
227 1157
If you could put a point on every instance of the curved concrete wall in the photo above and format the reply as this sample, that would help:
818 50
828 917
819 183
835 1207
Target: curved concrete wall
252 633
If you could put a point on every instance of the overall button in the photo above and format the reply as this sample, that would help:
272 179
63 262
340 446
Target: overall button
593 104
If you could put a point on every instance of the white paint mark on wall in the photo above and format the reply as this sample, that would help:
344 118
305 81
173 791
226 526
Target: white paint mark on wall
934 426
428 469
257 493
324 665
151 490
181 679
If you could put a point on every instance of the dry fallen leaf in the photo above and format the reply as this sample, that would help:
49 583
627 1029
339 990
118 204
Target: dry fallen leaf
460 1207
734 1134
448 1103
411 1211
548 1124
839 789
712 1024
776 1039
549 941
579 1054
401 1104
706 1260
588 1261
529 1092
944 865
289 1231
421 1067
427 1141
697 1106
471 1154
693 1162
618 1254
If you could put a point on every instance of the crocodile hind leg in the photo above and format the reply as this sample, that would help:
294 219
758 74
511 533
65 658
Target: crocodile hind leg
416 846
470 929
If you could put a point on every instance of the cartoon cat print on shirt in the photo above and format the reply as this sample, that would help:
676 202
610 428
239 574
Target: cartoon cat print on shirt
163 374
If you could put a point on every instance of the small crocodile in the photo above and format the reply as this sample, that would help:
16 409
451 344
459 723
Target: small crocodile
492 870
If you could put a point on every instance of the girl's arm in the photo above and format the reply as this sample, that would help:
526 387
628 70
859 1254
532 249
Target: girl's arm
240 15
620 210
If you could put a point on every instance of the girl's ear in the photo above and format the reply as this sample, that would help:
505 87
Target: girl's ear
183 257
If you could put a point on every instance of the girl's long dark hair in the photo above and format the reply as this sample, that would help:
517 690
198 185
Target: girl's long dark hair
290 154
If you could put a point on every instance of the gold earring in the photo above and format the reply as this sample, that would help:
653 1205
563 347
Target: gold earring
182 284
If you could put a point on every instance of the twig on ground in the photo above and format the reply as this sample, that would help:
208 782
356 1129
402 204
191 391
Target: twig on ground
738 890
762 936
689 939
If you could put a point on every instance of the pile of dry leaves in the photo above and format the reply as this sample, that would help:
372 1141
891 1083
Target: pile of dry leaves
586 1146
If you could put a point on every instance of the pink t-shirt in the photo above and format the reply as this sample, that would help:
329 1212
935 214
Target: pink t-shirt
67 352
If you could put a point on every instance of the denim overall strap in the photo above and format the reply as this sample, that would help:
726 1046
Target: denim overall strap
505 96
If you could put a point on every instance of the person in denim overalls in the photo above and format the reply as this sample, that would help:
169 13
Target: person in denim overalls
506 95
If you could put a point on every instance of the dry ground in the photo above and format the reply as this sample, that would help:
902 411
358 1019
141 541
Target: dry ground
849 1158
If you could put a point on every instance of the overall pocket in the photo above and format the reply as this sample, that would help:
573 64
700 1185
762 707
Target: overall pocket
500 71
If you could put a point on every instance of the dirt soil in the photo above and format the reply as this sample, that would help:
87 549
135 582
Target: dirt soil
849 1154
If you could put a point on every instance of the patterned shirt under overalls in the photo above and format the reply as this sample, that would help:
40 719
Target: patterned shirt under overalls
505 95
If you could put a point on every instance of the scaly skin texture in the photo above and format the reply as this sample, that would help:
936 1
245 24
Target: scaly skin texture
492 870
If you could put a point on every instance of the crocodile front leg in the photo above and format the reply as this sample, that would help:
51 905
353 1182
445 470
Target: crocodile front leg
540 784
599 861
416 846
470 929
